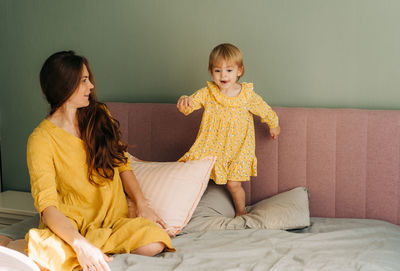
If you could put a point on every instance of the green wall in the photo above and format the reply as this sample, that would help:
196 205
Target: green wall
317 53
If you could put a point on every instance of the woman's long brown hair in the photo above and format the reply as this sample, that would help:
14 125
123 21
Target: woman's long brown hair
60 76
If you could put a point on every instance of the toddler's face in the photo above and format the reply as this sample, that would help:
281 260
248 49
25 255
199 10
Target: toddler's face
226 74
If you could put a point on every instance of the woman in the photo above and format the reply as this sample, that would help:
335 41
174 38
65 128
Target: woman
79 171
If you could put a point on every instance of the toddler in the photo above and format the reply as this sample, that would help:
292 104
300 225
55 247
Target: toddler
227 128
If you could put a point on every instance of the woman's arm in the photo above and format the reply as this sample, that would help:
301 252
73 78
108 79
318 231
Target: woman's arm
132 188
88 255
60 225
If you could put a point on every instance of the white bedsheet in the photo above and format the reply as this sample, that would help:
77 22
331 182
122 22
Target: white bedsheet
329 244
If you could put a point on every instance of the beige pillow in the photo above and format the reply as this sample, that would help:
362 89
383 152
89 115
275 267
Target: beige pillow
284 211
173 189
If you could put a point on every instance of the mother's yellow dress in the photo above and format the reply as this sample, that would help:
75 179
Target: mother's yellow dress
59 177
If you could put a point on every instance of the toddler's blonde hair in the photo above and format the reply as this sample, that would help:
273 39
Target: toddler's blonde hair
227 52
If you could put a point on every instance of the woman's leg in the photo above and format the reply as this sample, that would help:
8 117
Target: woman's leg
238 196
150 249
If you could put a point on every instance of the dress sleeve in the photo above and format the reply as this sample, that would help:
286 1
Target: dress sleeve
127 165
42 172
199 99
259 107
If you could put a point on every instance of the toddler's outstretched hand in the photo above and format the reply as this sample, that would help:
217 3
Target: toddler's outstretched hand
274 132
184 102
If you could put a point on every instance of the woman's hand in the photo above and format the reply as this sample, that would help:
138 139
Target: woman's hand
274 132
90 257
146 212
184 102
137 203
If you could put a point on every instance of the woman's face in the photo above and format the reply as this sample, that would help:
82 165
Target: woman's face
80 97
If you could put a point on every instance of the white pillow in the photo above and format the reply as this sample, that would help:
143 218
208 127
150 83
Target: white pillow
173 189
11 260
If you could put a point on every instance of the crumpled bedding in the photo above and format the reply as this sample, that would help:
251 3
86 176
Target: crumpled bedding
328 244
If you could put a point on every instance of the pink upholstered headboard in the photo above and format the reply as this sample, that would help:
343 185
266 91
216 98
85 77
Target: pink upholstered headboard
348 158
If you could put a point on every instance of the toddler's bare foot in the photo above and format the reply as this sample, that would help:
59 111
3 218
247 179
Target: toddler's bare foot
239 213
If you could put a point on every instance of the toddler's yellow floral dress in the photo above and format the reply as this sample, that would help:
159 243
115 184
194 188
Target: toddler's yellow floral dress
227 131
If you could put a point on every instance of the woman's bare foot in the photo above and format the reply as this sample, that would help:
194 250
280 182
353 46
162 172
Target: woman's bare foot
4 240
18 245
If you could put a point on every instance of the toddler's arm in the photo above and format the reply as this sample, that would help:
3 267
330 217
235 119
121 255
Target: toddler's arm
259 107
274 132
184 104
188 104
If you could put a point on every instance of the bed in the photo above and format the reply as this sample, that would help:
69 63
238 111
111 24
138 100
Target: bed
347 159
328 244
344 163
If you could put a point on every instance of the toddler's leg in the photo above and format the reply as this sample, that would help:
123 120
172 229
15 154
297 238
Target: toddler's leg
238 196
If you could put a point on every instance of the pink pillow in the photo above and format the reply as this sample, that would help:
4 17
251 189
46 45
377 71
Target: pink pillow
173 189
